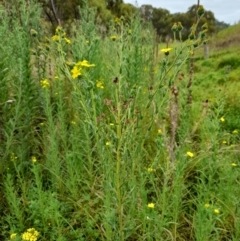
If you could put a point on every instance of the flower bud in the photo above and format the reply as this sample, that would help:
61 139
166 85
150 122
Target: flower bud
179 26
196 44
193 28
205 26
200 10
191 35
33 32
202 34
174 27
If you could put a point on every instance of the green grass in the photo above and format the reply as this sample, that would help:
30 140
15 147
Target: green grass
127 148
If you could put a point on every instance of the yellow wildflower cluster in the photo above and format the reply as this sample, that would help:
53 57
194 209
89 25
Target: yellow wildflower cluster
30 235
45 83
60 34
76 70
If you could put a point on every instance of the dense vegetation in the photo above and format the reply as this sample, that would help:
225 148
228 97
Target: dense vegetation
64 12
107 135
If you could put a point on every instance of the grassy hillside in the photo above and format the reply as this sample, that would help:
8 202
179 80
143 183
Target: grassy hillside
219 75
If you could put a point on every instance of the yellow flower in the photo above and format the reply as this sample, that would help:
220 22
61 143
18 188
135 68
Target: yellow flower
68 41
100 84
151 205
222 119
87 42
235 132
30 235
111 124
13 236
190 154
150 169
159 131
44 83
216 210
224 142
55 38
166 51
108 143
207 205
84 63
113 38
234 164
76 71
34 159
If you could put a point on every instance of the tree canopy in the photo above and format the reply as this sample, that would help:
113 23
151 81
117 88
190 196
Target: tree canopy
62 11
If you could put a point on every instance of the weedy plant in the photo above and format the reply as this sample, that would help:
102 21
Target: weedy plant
101 140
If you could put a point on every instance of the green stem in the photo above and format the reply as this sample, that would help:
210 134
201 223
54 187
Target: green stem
118 166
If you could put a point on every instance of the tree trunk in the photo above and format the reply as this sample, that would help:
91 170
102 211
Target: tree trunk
55 12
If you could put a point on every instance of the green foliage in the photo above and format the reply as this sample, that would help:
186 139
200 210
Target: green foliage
230 62
163 20
104 137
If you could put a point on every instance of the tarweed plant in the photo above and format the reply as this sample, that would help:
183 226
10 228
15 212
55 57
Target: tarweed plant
99 138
